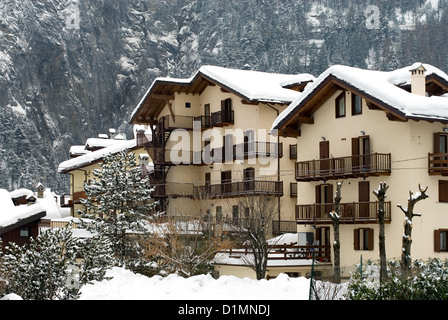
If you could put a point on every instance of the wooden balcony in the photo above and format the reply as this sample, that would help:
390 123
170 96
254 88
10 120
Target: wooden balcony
174 190
205 121
438 164
286 252
222 118
240 189
351 213
376 164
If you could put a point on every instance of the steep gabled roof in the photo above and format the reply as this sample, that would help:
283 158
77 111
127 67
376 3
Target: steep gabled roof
384 90
251 86
12 217
95 156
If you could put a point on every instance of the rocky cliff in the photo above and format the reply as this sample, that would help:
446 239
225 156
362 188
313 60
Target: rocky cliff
72 69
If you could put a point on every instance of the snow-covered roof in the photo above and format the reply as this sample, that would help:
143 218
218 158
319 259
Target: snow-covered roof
89 158
383 87
250 85
95 143
11 215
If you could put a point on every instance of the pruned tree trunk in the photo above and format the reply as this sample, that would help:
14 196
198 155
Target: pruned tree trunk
335 216
381 196
407 236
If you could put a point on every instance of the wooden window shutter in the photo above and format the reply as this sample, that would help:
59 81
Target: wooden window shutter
370 239
356 239
436 142
436 240
223 105
329 194
443 191
317 192
355 154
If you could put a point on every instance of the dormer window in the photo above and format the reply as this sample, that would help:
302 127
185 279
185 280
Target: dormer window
340 105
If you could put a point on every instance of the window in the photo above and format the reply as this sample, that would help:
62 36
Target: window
356 104
235 214
218 214
363 239
24 232
187 105
441 240
443 191
340 105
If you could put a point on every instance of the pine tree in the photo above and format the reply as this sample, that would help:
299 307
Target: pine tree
118 202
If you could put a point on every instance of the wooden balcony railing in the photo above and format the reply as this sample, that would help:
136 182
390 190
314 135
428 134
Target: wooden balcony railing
222 118
351 213
240 189
345 167
179 122
206 121
286 252
174 190
438 164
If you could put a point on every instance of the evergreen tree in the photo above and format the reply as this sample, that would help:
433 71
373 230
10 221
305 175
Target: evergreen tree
47 269
118 203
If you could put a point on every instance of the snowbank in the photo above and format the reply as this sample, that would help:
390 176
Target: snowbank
126 285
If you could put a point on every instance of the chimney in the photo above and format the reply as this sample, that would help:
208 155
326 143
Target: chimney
418 79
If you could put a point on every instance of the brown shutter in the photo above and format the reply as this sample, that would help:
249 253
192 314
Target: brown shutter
370 235
355 154
436 240
356 239
317 193
443 191
436 142
329 194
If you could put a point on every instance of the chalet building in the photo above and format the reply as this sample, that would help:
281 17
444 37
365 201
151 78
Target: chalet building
210 142
84 159
361 128
18 223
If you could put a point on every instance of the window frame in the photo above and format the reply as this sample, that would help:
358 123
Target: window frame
337 106
354 111
364 242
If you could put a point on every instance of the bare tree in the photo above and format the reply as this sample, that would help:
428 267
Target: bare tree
184 245
409 214
381 196
253 228
335 216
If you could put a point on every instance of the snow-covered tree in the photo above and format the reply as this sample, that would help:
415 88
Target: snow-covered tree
381 196
118 203
335 217
409 214
47 269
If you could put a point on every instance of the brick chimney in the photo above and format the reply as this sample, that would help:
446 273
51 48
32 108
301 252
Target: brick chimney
418 79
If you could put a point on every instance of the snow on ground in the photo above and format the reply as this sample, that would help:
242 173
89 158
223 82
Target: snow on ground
126 285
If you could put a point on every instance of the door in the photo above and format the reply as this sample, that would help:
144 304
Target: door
207 184
324 156
440 148
364 198
324 201
323 240
249 179
365 153
226 179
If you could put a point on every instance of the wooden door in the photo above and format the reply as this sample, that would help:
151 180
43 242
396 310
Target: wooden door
324 156
364 198
324 200
249 179
226 179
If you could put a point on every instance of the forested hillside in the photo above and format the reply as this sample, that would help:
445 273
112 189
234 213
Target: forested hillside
70 70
